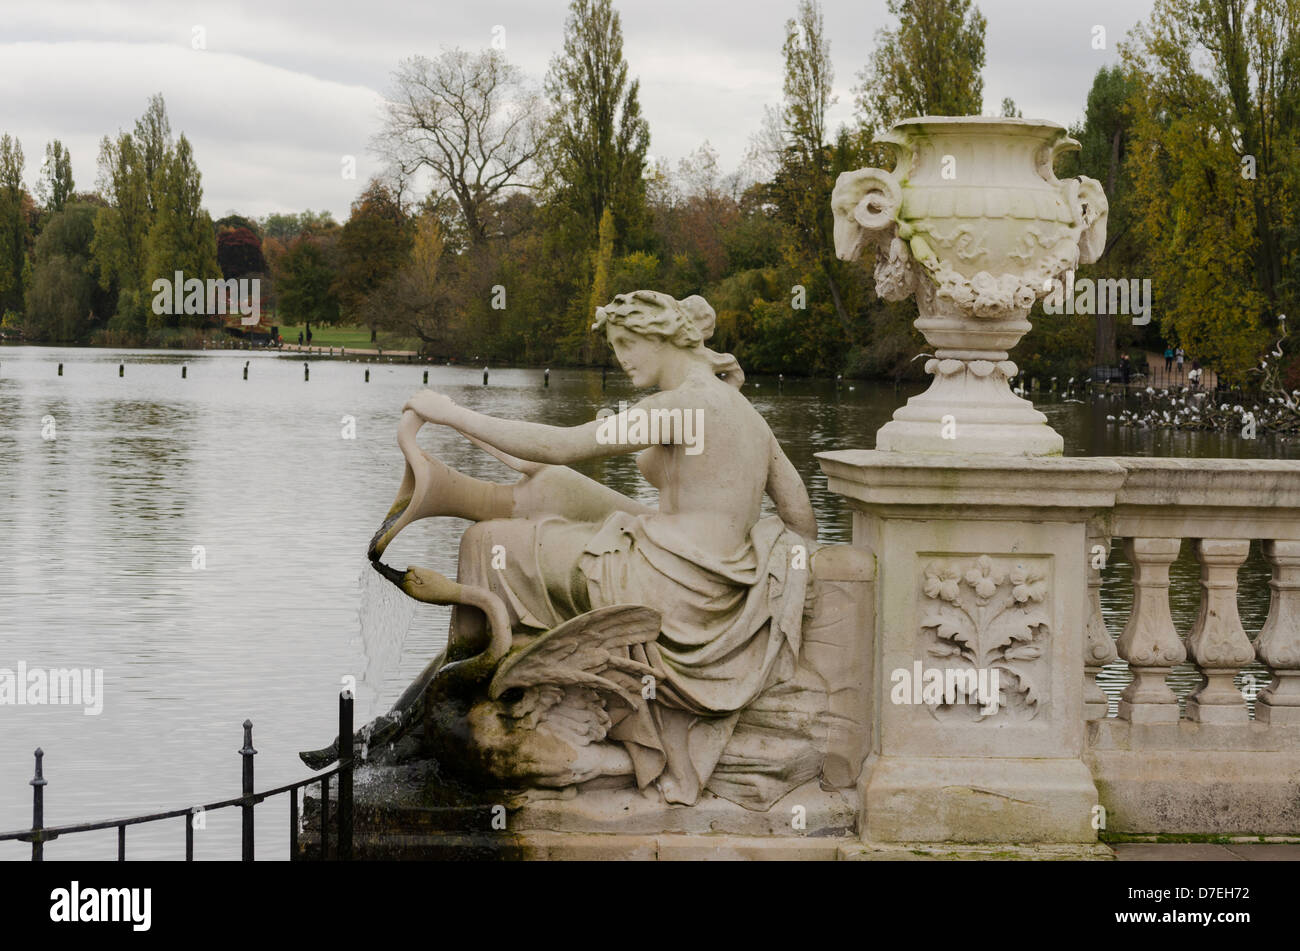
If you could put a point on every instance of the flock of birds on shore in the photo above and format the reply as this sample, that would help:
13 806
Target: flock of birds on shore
1196 410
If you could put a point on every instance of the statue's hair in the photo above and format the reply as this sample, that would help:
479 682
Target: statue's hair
685 323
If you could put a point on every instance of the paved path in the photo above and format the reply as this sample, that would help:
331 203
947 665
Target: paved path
1171 377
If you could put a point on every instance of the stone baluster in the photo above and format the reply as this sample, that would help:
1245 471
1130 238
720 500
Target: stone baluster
1217 641
1098 645
1278 644
1150 643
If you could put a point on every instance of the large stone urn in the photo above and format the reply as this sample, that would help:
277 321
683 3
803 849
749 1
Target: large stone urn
974 223
978 523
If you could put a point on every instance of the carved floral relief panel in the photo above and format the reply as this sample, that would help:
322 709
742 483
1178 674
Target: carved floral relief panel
985 630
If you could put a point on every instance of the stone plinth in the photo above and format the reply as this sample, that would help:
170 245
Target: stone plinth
1197 778
982 568
405 811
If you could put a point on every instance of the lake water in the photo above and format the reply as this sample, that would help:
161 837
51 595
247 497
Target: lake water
101 528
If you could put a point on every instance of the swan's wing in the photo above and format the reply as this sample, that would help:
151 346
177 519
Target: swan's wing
578 651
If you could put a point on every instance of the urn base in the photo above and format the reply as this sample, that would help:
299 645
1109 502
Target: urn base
970 409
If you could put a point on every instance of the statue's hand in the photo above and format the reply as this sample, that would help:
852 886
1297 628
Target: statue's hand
433 407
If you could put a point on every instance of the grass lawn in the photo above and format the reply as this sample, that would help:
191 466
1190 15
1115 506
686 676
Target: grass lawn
351 338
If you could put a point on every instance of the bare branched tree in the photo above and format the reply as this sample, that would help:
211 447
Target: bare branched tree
470 119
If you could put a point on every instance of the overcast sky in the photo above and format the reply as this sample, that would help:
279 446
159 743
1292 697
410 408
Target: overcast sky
283 90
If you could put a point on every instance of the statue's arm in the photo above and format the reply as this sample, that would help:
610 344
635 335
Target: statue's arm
519 465
538 442
788 494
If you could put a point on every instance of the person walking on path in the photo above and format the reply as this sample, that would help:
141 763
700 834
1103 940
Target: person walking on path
1178 357
309 336
299 339
1125 368
1169 359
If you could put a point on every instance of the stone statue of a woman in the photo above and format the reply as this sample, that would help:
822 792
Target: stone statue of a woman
720 576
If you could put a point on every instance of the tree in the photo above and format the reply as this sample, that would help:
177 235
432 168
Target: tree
14 231
599 138
1009 110
153 138
417 300
303 280
1105 140
373 244
809 77
1216 188
56 184
63 298
801 189
181 237
122 227
233 221
691 213
284 228
472 120
239 253
928 66
604 258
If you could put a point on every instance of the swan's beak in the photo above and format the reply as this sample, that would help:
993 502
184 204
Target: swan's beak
392 574
414 500
425 584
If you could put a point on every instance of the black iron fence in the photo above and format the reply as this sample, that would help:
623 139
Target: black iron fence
40 833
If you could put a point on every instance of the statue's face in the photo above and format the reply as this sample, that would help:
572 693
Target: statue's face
641 357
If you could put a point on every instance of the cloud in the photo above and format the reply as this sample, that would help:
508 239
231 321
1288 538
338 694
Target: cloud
257 130
279 95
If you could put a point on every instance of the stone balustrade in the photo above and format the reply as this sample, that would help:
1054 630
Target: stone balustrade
1207 768
997 562
1219 506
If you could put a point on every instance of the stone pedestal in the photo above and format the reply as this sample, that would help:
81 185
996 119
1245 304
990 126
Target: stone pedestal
982 579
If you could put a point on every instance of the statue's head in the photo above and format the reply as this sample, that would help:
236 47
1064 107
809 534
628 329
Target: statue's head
644 328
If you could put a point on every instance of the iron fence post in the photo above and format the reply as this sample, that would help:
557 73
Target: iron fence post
345 775
324 817
248 753
38 810
293 824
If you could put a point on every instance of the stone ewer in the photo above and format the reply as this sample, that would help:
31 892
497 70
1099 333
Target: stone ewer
975 224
